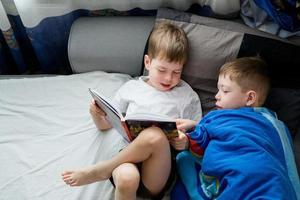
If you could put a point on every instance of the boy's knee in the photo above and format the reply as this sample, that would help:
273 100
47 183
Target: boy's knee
154 136
127 181
184 156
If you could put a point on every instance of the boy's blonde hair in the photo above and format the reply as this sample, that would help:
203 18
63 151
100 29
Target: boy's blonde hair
250 73
168 41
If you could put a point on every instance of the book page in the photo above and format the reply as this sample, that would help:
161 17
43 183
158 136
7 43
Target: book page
148 117
138 125
136 122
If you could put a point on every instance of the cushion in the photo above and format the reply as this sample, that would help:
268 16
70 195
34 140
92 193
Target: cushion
111 44
214 42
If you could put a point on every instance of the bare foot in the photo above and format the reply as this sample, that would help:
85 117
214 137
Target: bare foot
85 176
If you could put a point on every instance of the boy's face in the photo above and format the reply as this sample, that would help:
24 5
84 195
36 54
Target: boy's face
163 75
230 94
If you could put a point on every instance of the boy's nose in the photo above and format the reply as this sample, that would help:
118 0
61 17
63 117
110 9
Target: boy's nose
168 77
217 96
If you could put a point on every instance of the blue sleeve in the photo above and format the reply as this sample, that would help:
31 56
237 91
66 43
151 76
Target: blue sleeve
198 140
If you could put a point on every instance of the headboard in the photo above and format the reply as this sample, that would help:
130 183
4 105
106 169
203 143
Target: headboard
115 42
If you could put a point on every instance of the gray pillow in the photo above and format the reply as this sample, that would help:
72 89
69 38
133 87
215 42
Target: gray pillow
214 42
111 44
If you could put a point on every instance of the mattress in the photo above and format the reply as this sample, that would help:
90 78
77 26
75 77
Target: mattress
45 128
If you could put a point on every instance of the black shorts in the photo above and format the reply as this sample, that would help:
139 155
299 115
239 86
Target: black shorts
143 191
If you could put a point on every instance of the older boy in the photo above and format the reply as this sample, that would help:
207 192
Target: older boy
144 166
240 150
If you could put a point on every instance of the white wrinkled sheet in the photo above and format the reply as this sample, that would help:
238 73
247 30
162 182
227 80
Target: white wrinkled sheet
45 127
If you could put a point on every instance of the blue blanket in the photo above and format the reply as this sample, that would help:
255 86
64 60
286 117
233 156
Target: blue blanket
239 154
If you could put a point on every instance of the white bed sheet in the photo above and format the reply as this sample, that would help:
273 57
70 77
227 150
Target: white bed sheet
45 127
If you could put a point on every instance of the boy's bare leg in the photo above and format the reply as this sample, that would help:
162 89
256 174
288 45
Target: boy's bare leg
126 179
86 175
156 169
151 147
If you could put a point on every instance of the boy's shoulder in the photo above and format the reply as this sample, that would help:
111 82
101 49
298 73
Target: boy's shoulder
131 82
243 112
186 90
184 85
144 79
221 113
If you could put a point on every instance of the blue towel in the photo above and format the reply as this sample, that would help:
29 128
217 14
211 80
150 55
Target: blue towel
239 154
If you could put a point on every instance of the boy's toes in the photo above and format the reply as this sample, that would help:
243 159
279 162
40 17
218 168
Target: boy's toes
66 173
68 181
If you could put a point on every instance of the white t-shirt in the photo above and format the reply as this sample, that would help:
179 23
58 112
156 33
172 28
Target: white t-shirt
137 96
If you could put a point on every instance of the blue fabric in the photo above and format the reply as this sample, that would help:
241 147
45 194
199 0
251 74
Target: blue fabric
189 168
179 192
14 52
244 151
265 16
287 18
3 56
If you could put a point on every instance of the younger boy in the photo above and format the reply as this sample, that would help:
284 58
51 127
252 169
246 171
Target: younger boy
240 150
144 166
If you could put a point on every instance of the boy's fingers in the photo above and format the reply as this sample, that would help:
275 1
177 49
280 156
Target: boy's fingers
181 134
95 104
97 110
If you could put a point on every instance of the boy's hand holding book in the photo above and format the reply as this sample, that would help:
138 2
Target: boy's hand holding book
98 116
95 109
181 142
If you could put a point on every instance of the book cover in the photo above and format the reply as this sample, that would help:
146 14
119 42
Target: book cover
131 125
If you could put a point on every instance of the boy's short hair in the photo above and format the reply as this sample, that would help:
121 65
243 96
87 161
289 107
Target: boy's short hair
168 41
250 73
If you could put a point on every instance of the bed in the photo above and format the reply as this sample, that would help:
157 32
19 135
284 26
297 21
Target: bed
45 122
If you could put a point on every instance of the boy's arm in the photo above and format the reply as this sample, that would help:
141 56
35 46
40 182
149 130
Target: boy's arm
185 125
198 140
195 140
98 116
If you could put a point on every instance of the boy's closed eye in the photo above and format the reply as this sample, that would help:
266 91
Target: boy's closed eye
223 89
161 69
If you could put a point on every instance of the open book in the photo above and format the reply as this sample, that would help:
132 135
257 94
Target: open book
131 125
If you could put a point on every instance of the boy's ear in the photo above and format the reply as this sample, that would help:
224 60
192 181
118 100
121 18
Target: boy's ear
147 61
251 98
